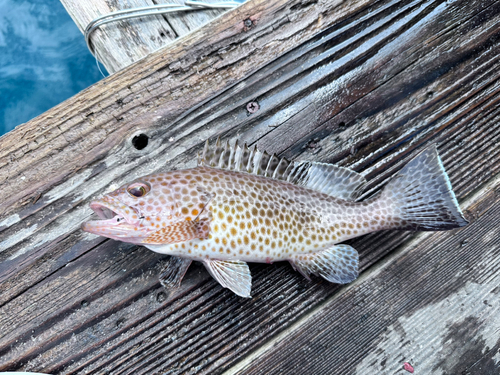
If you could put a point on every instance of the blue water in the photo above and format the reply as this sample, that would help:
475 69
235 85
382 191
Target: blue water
43 59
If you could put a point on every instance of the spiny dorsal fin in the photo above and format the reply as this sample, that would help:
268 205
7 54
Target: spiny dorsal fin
243 159
329 179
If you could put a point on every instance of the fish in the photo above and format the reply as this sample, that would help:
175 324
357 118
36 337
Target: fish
241 205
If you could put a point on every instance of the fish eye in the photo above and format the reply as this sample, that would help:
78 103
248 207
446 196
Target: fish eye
138 189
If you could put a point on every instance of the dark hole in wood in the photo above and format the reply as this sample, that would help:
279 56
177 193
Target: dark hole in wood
342 125
140 141
161 297
313 144
84 303
430 94
162 34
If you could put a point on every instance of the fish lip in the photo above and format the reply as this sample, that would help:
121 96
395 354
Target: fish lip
108 208
117 231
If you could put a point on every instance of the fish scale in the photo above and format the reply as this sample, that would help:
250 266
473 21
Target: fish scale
241 205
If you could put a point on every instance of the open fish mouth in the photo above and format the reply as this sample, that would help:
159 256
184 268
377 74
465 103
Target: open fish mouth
116 220
109 209
104 212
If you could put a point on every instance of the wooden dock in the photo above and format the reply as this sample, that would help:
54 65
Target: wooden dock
364 84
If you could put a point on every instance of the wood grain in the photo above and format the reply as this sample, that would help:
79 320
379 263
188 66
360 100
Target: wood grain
363 85
185 22
121 43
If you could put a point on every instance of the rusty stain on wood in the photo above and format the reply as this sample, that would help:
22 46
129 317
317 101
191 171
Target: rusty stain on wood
362 84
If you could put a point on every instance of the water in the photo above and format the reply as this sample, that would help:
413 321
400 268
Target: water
43 59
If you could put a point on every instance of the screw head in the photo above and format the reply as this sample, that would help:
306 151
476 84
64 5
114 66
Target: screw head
253 107
248 23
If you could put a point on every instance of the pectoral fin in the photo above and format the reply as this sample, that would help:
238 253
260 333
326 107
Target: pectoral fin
233 275
180 231
173 272
338 264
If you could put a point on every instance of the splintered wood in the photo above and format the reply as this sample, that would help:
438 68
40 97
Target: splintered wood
362 84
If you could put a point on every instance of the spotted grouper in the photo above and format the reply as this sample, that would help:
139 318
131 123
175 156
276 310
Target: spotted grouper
242 205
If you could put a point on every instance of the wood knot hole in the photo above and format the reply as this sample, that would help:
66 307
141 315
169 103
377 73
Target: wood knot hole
140 141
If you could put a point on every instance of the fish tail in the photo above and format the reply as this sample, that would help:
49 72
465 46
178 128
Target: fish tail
420 196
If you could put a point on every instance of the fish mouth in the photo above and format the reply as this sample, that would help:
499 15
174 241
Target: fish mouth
116 220
108 208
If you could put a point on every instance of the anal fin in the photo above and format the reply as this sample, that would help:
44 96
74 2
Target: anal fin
173 272
337 264
234 275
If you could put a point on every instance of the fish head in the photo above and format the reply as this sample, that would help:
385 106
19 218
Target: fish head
135 211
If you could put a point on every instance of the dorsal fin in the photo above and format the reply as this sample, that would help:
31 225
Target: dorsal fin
329 179
243 159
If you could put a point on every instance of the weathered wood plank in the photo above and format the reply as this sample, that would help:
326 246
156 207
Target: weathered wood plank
433 304
363 86
183 23
121 43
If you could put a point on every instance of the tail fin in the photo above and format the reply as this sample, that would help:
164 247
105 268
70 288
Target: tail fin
421 195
